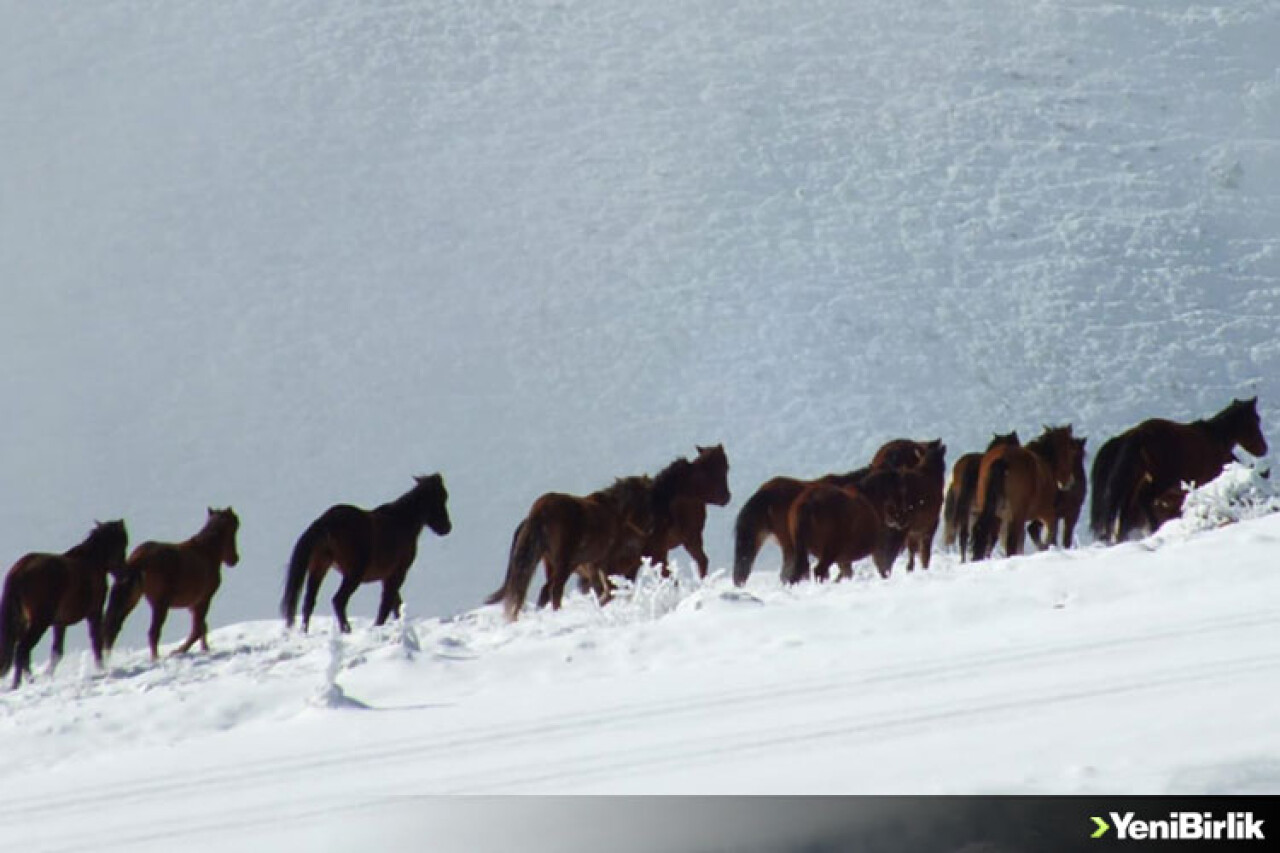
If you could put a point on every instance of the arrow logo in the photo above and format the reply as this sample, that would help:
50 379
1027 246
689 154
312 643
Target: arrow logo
1103 826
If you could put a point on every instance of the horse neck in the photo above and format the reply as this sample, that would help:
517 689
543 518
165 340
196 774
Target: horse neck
411 508
92 551
1224 429
209 541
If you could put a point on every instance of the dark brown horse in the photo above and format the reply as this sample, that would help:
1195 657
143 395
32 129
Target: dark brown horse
365 546
186 574
903 453
43 590
959 513
1019 484
1136 468
678 498
681 493
921 503
766 514
598 535
841 525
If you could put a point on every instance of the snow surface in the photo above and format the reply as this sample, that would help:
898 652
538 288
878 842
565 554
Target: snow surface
281 254
1144 668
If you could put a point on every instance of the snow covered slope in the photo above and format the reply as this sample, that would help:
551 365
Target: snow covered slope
1145 668
281 254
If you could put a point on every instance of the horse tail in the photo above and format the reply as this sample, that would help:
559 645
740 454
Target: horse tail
747 536
527 547
1120 488
1100 477
299 562
949 515
986 527
802 516
501 592
964 504
10 624
126 590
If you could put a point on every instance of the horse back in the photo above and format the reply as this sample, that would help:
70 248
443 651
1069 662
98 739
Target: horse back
175 573
1175 452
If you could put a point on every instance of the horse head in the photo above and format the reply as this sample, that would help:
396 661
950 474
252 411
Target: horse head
227 524
712 471
1248 426
434 503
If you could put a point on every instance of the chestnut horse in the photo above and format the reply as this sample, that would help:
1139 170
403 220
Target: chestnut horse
678 497
1020 484
43 590
958 512
1139 466
841 525
1070 502
681 493
601 534
365 546
765 513
186 574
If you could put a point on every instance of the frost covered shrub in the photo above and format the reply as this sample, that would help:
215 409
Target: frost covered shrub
1240 492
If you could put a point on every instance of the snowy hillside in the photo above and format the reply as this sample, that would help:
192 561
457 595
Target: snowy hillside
1144 668
284 254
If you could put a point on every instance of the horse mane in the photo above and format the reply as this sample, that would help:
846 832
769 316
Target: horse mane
424 489
105 537
219 520
630 497
670 480
1046 444
1236 413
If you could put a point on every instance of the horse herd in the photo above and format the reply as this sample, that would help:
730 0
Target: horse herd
895 503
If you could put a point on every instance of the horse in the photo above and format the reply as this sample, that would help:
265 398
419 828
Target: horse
43 590
597 535
958 512
839 525
1018 484
185 574
365 546
765 513
921 502
681 493
1135 468
903 453
1069 501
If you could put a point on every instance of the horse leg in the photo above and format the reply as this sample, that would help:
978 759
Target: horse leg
1015 533
926 547
96 644
911 552
544 597
26 645
159 611
198 629
55 653
350 582
694 546
314 578
390 597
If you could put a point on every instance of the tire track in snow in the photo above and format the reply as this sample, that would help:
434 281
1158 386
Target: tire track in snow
407 750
